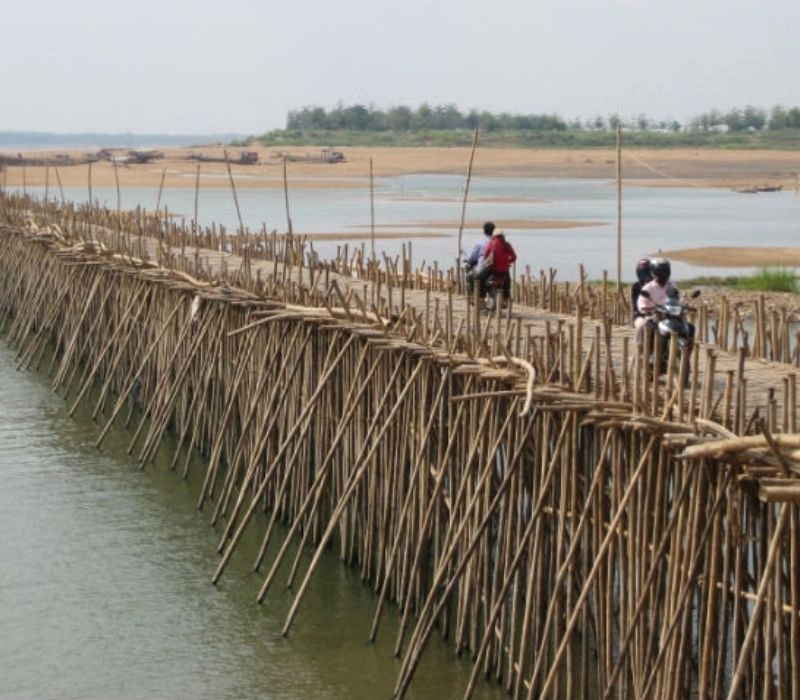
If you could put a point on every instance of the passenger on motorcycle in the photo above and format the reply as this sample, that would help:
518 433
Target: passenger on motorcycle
474 263
498 257
643 276
659 289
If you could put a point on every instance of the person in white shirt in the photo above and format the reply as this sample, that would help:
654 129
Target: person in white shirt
474 263
658 291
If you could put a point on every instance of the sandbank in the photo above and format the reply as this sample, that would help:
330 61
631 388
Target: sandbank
733 256
510 224
474 200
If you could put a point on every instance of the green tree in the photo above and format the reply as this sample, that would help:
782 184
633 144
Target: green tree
754 118
399 118
378 120
777 118
356 118
734 120
422 118
473 119
793 118
448 117
488 121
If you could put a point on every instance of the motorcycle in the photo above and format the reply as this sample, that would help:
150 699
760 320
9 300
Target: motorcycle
495 287
670 320
490 288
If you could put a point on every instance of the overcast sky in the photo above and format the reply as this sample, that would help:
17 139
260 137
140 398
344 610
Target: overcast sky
199 66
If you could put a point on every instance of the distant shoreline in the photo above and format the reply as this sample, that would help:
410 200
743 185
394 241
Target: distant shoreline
678 167
26 141
572 139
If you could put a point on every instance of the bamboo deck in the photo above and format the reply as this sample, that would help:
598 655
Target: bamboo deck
517 483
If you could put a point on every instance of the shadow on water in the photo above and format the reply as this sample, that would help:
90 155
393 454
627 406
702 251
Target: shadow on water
105 585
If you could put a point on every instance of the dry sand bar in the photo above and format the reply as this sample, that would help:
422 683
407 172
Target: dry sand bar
519 483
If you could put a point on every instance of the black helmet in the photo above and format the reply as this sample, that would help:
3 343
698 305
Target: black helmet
643 273
660 267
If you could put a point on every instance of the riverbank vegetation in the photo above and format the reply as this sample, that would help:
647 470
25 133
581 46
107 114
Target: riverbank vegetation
446 125
766 279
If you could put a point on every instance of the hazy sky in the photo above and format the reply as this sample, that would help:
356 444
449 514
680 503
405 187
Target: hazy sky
198 66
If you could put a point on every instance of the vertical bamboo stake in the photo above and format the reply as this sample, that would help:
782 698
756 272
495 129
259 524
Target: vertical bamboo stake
619 208
243 245
119 204
160 190
196 199
195 225
761 599
372 216
60 188
464 210
233 191
289 229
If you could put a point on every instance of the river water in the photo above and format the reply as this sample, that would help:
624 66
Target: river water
105 583
654 218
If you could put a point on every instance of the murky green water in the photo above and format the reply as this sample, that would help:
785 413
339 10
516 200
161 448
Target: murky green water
105 593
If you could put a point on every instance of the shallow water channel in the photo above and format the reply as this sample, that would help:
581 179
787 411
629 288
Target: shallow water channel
654 218
105 583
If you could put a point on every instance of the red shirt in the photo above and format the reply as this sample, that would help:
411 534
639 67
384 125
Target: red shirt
504 254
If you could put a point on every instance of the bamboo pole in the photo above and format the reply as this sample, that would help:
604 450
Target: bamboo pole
758 610
464 210
358 473
289 230
619 208
372 218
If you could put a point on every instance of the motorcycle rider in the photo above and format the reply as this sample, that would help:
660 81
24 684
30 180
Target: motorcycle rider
474 262
502 255
659 289
643 276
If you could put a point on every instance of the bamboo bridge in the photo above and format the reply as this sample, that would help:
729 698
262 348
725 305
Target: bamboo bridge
519 484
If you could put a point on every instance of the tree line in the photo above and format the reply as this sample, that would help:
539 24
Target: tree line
425 117
363 118
749 119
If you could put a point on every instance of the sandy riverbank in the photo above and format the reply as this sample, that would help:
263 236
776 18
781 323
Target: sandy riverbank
733 256
649 167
